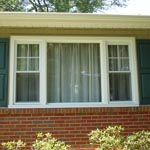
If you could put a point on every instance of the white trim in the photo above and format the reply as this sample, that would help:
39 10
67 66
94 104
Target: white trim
134 70
70 20
104 73
74 105
103 41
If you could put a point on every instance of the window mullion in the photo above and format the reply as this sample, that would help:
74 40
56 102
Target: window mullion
43 72
90 72
104 73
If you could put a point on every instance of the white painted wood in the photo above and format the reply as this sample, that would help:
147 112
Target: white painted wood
70 20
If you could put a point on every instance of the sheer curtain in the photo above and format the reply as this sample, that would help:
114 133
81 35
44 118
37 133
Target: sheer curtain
27 74
73 72
119 73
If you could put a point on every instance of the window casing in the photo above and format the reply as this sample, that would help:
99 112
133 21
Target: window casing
73 72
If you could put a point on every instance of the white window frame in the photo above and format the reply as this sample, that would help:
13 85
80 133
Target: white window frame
103 41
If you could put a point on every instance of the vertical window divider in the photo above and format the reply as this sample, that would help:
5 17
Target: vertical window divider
104 73
28 59
14 72
118 59
90 79
43 72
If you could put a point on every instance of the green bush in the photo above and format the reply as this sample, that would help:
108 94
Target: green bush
43 142
47 142
111 138
14 145
138 141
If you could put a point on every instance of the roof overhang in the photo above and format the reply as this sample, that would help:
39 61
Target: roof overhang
73 20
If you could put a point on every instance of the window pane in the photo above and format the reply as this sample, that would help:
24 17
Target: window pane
21 64
118 58
34 50
120 86
123 51
73 73
113 64
112 51
119 64
28 57
33 64
22 50
124 64
27 87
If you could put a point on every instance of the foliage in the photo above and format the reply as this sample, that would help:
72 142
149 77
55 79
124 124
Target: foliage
111 138
11 5
43 142
86 6
83 6
138 141
13 145
46 141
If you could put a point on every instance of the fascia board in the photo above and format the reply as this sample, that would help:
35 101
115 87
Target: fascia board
68 20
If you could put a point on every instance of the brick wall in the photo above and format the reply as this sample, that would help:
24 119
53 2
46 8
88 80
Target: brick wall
69 125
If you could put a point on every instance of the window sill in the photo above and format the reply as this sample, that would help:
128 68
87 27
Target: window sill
74 105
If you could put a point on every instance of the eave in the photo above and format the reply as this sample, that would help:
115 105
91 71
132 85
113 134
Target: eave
70 20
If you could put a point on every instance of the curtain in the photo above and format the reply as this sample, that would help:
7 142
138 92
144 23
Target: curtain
119 73
73 72
27 74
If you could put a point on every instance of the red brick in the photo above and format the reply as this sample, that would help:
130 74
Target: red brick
71 125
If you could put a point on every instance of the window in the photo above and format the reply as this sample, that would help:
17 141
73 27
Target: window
119 73
27 73
72 72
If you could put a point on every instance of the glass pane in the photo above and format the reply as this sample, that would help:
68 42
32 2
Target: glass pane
22 50
73 73
53 83
113 64
124 64
33 50
112 50
123 51
21 64
120 86
33 64
27 87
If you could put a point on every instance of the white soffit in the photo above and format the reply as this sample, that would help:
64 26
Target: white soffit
73 20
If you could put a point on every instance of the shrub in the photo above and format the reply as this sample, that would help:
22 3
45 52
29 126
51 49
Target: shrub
111 138
14 145
43 142
138 141
47 142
